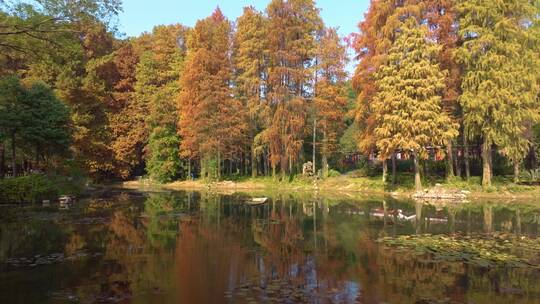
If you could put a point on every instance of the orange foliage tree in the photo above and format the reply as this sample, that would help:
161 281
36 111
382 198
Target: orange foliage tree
292 30
330 100
212 123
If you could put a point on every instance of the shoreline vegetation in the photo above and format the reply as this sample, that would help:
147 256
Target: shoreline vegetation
347 184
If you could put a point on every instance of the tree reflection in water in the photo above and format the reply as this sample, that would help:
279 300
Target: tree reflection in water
209 248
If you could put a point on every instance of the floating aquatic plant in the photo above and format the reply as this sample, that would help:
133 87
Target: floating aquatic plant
485 250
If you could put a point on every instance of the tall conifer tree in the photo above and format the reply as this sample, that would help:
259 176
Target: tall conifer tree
408 105
212 123
250 60
330 99
500 81
292 30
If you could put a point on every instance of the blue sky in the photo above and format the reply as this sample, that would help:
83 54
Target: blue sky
142 15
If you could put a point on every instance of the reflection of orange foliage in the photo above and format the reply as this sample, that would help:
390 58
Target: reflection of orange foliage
76 243
208 262
122 226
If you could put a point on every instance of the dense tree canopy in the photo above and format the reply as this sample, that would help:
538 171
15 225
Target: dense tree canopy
435 81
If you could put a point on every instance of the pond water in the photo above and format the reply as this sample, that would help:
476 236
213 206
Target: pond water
188 247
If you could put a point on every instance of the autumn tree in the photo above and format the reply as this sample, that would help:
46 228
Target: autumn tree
292 30
55 43
441 18
377 33
330 100
408 100
500 81
250 54
113 81
212 123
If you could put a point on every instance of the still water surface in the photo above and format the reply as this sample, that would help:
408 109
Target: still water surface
181 247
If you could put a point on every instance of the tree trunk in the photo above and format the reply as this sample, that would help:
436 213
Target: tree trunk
384 170
531 161
13 156
218 173
466 157
189 170
394 168
254 163
486 160
36 164
457 164
290 166
450 173
266 166
516 172
325 155
2 161
314 145
417 180
324 166
203 167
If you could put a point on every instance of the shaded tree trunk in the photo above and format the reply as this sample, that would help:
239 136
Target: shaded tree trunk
486 161
36 164
2 161
457 164
466 157
394 169
13 155
266 166
189 170
532 161
218 173
417 180
450 173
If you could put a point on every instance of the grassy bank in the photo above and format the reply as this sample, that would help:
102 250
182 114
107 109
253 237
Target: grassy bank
503 188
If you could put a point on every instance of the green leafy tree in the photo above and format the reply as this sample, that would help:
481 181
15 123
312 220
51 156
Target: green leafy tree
13 114
33 118
158 71
48 131
164 163
408 105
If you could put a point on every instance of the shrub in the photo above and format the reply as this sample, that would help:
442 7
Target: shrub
27 189
333 173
